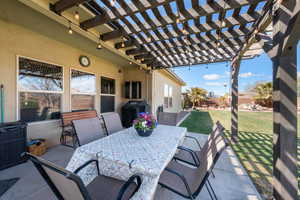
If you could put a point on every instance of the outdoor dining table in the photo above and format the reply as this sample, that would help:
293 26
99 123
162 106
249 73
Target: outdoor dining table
125 153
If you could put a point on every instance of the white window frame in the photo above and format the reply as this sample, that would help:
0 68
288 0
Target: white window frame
82 93
103 94
18 90
167 89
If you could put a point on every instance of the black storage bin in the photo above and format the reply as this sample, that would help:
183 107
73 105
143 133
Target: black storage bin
12 143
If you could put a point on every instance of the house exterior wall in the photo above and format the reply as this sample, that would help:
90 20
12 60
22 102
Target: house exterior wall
134 74
16 40
25 33
160 79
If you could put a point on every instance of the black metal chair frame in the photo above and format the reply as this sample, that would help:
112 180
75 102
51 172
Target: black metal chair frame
76 179
191 195
104 124
70 132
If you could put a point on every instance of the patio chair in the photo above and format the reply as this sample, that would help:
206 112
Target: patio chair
112 123
191 157
88 130
69 186
188 182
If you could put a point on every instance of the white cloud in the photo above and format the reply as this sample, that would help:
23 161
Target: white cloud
211 77
214 83
246 75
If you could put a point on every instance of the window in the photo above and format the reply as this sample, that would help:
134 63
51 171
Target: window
133 89
107 85
83 90
40 87
107 98
168 96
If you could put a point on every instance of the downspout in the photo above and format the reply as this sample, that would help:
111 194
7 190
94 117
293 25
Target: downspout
2 102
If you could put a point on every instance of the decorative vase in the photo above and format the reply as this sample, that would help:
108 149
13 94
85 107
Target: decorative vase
143 133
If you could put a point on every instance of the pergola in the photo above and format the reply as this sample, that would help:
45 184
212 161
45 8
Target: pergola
161 34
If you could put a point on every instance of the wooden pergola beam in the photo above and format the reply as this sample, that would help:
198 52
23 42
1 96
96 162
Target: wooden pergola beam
111 35
135 51
265 41
63 5
97 20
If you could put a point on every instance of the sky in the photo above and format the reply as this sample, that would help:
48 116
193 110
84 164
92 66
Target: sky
212 77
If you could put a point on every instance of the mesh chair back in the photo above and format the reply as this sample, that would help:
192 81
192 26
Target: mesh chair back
64 184
88 130
112 123
209 155
167 118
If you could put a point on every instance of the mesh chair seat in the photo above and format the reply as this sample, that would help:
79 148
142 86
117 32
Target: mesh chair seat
187 181
104 187
192 175
69 186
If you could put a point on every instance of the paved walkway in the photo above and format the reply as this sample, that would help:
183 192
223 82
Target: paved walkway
231 181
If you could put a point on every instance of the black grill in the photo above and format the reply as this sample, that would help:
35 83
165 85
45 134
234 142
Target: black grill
12 143
131 110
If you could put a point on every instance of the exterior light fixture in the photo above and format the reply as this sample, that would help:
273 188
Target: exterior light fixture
70 31
99 46
76 15
123 44
130 63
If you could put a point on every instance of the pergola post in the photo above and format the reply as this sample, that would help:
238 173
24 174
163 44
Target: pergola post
285 183
284 57
234 100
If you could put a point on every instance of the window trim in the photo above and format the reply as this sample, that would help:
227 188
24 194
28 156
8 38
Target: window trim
168 96
18 90
81 93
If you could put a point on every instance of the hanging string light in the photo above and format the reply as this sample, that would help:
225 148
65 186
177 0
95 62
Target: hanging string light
70 31
76 15
99 46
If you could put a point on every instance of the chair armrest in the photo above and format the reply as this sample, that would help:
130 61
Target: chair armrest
182 178
126 185
86 164
194 139
192 153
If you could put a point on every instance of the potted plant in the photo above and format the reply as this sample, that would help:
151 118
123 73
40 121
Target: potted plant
145 124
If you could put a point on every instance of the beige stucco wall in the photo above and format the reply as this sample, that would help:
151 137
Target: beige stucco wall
16 40
160 78
135 74
24 32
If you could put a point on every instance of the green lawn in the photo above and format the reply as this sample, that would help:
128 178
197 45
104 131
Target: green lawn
254 148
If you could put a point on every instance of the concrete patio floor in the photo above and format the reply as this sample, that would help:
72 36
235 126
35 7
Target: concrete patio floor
231 181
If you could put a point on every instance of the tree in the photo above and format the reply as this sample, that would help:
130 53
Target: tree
264 94
196 95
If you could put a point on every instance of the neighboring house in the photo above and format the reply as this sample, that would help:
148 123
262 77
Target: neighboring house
42 75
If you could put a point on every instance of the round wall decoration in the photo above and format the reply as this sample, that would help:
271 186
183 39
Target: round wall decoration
84 61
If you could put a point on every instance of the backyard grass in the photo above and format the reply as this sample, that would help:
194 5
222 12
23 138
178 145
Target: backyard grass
254 148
